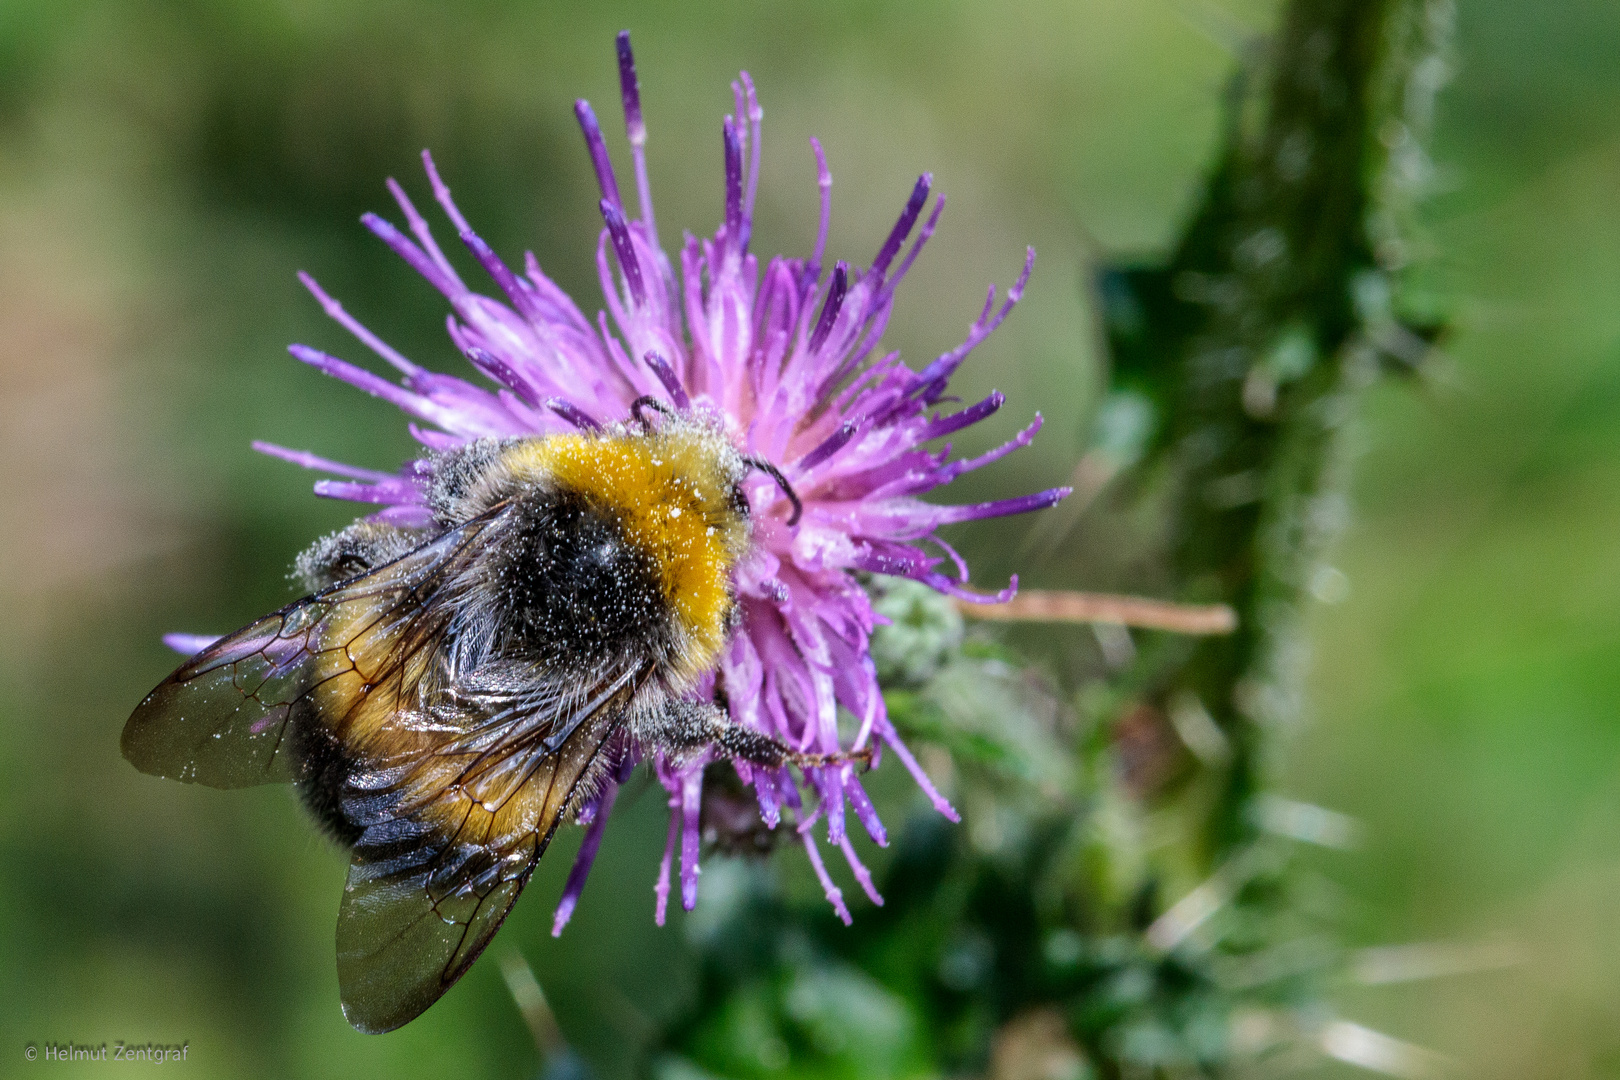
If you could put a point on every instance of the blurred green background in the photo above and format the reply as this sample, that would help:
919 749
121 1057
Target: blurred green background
166 167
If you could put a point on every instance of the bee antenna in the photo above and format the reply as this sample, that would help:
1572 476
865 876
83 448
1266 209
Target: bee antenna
781 481
647 401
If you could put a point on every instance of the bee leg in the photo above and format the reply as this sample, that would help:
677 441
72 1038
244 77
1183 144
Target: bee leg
683 726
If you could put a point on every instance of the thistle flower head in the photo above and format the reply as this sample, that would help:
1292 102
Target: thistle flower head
786 356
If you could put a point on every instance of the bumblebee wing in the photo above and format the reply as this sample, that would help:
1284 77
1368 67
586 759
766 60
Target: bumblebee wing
450 840
222 719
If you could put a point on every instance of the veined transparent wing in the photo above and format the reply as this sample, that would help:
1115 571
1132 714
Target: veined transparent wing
222 718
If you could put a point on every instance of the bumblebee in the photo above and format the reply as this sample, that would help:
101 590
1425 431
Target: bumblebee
446 697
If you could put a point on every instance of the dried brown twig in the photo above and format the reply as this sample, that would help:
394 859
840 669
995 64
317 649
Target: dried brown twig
1036 605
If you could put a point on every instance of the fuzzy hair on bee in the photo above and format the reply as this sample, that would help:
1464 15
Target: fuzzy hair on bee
447 696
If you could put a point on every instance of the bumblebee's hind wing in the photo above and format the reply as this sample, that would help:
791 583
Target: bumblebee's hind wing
448 845
223 718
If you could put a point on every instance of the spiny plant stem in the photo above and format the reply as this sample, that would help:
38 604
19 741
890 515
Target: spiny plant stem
1267 322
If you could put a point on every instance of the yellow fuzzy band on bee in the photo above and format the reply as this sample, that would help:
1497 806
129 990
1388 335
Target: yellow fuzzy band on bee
671 496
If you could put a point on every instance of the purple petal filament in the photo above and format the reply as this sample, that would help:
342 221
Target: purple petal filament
189 644
313 461
968 416
830 307
335 311
586 857
630 90
597 146
672 382
920 243
834 443
732 138
903 227
503 373
619 230
635 130
573 414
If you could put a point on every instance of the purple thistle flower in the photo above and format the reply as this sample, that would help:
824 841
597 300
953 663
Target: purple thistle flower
787 355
